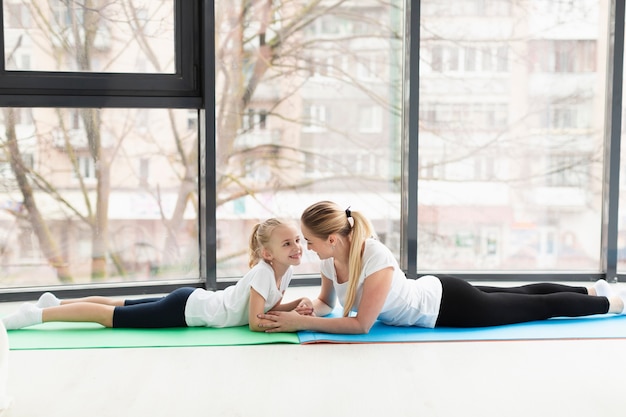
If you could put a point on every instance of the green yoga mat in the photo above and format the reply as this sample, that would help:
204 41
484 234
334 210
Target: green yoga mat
89 336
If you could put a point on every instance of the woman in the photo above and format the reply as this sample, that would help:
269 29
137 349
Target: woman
364 275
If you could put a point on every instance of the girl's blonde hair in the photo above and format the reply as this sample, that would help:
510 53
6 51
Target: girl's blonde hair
326 218
260 238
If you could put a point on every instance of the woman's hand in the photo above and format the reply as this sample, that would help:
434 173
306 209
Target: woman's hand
280 321
305 307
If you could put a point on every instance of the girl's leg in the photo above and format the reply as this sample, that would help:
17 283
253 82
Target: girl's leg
463 305
111 301
94 300
50 300
29 314
85 312
168 311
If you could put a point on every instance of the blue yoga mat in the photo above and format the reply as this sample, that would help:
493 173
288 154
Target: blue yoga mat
594 327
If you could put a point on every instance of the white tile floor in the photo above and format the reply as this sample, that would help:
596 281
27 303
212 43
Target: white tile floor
537 378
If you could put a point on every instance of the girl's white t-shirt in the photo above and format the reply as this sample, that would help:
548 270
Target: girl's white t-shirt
229 307
410 302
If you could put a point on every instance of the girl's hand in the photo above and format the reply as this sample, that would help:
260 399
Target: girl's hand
305 307
280 321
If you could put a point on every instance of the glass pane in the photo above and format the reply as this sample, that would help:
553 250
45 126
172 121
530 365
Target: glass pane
127 36
97 195
511 135
308 109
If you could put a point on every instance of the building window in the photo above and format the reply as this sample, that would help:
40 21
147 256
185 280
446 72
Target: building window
144 171
562 56
370 119
568 170
314 118
86 167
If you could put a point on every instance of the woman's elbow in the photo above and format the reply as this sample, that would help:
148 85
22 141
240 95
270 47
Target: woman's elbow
364 328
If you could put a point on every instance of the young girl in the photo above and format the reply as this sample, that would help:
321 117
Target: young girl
274 248
365 276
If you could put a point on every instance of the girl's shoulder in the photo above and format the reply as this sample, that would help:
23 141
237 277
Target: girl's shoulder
261 269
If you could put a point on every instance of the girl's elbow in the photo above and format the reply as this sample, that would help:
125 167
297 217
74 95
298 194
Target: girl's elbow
254 326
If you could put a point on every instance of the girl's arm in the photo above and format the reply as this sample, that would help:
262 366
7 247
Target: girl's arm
321 306
256 308
375 290
287 306
301 306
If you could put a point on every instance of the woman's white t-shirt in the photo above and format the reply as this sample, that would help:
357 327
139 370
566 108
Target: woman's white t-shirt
410 302
229 307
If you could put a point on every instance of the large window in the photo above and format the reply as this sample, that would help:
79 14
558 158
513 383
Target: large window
100 143
308 105
96 48
96 36
511 136
97 195
142 139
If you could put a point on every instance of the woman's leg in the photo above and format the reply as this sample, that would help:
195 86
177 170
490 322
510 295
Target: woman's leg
463 305
539 288
599 288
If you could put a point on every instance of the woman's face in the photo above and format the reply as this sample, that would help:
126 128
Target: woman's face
321 247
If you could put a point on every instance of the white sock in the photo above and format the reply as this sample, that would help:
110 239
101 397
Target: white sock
27 315
48 299
622 295
603 288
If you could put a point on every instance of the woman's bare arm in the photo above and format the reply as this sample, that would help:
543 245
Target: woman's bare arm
375 290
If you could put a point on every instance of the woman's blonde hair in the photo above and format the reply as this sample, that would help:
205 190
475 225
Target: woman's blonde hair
260 238
326 218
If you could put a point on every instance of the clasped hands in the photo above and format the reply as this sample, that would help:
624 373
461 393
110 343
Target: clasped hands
286 321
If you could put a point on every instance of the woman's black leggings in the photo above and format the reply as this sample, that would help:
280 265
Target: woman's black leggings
465 305
168 311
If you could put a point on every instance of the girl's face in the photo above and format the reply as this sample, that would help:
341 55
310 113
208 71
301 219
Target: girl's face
284 246
320 246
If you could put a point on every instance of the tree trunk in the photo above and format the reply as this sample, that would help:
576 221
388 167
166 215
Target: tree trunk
100 224
48 245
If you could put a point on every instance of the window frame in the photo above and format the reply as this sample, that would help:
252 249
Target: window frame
612 138
181 89
191 87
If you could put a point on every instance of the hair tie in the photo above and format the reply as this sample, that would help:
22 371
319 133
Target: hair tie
349 216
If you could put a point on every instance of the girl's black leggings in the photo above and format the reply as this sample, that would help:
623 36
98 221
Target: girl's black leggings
465 305
168 311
